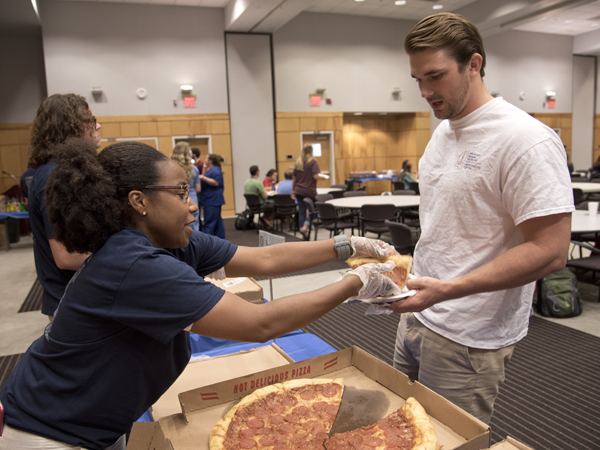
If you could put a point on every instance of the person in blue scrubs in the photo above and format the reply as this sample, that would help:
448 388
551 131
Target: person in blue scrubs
211 191
120 335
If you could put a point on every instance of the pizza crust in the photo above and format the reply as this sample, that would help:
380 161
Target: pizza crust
426 438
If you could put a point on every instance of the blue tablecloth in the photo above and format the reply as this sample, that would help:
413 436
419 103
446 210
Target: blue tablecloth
361 180
15 215
297 344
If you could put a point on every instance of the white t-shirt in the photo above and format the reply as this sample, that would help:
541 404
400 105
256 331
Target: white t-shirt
480 177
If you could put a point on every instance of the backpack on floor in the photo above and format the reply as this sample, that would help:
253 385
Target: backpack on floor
558 295
244 221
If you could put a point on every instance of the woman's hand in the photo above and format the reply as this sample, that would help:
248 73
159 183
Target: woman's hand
372 248
375 283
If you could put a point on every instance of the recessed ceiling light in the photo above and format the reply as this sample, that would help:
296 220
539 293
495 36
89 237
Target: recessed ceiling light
358 114
438 6
543 18
359 0
400 2
594 24
569 21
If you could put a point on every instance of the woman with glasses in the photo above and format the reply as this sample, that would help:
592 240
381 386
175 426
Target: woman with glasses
212 196
119 337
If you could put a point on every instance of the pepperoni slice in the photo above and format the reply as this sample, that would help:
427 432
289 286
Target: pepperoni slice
255 423
319 406
331 409
329 390
300 410
308 394
262 413
286 428
277 408
321 436
247 433
247 443
276 420
355 439
264 431
289 401
267 441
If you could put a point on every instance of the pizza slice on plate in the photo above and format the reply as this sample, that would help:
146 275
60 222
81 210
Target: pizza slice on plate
288 415
399 275
408 428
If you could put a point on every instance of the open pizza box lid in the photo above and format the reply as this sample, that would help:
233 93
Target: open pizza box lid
510 444
372 390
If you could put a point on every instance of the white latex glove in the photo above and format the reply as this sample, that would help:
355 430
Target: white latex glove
374 282
218 275
372 248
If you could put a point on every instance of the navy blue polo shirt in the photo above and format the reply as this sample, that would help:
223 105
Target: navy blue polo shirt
52 279
116 343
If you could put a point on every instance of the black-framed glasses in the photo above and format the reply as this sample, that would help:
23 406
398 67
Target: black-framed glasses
185 195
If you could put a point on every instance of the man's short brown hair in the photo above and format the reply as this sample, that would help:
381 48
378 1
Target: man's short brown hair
447 31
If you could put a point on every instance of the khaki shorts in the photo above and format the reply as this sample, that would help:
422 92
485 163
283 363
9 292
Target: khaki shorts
468 377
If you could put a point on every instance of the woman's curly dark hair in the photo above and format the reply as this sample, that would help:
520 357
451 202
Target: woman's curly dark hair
86 195
59 117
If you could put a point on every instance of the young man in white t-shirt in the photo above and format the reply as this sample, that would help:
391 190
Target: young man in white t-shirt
496 203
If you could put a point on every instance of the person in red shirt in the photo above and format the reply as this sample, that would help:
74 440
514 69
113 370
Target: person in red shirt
198 160
270 180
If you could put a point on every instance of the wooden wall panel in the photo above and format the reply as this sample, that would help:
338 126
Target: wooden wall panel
14 152
564 121
596 151
381 142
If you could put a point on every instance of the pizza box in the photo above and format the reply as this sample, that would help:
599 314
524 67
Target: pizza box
205 372
372 390
246 288
510 444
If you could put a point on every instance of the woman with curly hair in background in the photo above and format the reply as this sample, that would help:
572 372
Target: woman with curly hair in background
58 118
182 155
120 337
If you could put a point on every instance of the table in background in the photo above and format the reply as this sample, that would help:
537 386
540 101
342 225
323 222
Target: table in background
319 191
399 201
13 215
587 188
584 222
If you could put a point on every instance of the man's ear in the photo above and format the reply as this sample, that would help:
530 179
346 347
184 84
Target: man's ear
138 201
475 63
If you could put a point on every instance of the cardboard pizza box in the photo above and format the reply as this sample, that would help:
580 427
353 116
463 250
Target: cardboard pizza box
205 372
510 444
246 288
373 389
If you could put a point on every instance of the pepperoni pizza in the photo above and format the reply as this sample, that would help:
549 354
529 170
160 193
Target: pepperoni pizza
400 273
408 428
292 414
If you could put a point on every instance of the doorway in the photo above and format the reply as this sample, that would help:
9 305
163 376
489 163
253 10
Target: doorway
322 142
202 143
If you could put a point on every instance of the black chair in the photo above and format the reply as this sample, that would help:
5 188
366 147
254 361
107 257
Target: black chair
331 221
355 193
349 184
313 217
337 194
372 218
362 188
253 205
323 197
402 237
414 186
285 206
578 196
405 192
398 185
586 264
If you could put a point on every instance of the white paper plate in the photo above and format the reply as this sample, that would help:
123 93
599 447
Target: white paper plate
384 300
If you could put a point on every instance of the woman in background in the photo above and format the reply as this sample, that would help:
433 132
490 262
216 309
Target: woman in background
212 196
182 155
270 180
406 175
304 179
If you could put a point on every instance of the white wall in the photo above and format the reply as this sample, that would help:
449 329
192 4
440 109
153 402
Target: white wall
122 47
22 79
358 60
251 108
583 111
533 63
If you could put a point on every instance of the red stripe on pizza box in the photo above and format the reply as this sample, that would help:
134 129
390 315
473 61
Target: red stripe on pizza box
330 363
210 396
